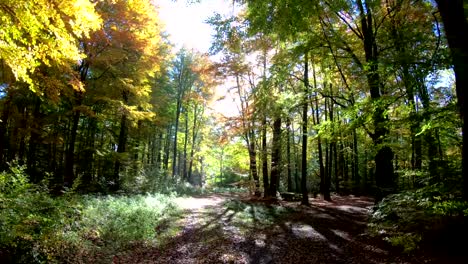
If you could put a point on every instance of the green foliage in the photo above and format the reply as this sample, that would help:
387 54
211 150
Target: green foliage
427 215
36 33
408 241
27 215
116 221
227 190
36 228
153 180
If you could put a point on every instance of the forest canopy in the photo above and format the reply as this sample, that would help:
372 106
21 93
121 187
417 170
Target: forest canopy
332 97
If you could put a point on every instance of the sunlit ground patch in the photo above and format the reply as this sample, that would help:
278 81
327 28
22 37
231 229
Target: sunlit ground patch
305 231
238 257
352 209
193 203
342 234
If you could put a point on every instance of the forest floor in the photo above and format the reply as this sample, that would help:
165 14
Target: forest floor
235 228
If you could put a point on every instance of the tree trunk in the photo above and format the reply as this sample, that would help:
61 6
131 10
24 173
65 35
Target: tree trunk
297 181
176 129
184 168
275 157
319 149
456 30
167 149
355 166
194 140
253 162
288 154
305 100
69 176
121 148
265 158
3 130
336 170
34 142
383 159
85 166
156 157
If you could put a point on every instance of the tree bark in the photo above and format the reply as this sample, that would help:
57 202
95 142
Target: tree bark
456 30
297 181
69 176
184 168
305 106
253 162
383 159
265 158
121 147
176 129
167 149
34 142
288 154
275 157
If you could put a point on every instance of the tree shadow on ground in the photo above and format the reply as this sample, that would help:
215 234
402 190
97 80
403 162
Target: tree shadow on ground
254 231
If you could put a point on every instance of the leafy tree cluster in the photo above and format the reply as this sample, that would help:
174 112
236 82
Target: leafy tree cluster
351 92
93 99
352 97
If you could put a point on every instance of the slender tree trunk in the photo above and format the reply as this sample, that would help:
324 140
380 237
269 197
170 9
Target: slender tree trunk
34 142
14 134
184 168
332 150
336 170
221 166
319 148
297 181
121 148
305 106
275 157
3 131
179 162
328 175
343 166
176 129
167 149
156 158
325 183
194 140
70 153
253 162
355 168
288 154
264 158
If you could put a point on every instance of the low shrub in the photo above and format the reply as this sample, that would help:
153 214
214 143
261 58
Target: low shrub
38 228
429 216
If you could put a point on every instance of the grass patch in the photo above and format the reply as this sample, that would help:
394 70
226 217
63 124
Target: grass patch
38 228
108 225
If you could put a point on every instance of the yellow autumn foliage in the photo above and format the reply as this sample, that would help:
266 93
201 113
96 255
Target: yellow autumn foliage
43 32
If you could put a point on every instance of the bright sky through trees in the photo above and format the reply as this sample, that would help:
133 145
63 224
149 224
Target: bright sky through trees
185 24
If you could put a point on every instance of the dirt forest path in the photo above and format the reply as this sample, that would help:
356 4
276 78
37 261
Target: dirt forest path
233 228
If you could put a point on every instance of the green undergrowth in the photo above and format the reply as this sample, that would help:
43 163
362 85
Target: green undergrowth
38 228
432 216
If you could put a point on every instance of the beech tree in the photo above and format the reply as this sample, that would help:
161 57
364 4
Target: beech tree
44 33
456 27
